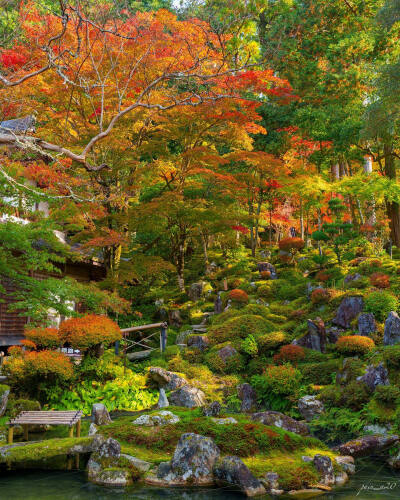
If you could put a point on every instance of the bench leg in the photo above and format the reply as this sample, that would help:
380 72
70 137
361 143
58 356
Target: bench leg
71 431
78 429
26 432
10 434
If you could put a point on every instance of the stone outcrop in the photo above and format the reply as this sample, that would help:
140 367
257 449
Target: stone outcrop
315 339
162 399
156 419
309 407
366 324
4 399
100 415
374 376
232 471
227 352
391 334
267 266
368 445
196 291
349 309
324 466
169 381
138 464
282 421
351 279
224 421
218 304
104 468
248 397
188 396
347 464
200 342
192 463
212 410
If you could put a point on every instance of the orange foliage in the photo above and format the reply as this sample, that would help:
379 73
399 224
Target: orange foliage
291 244
354 344
291 353
90 330
239 296
380 280
44 337
28 344
49 363
320 296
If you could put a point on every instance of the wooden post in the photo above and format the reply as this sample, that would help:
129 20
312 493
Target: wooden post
71 431
26 432
69 462
10 434
77 461
78 429
163 337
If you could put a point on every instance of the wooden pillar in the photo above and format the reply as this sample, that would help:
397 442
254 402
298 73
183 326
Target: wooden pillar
77 461
26 432
71 431
69 462
10 434
78 429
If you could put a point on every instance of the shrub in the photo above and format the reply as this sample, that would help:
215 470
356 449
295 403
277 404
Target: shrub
239 327
15 406
276 385
257 310
291 245
337 425
48 364
29 345
320 296
265 275
320 373
354 344
387 395
380 280
270 341
89 332
233 364
289 353
391 355
380 304
249 346
266 291
322 275
44 338
238 296
354 395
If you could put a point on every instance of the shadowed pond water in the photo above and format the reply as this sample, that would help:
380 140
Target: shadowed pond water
373 481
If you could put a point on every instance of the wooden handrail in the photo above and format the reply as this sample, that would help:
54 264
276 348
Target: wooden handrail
143 327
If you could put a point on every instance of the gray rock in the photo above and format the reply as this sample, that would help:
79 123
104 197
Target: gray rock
110 448
391 334
162 399
231 470
103 466
227 352
92 429
175 318
341 478
271 482
218 305
188 396
282 421
267 266
100 415
200 342
4 401
315 339
368 445
224 421
307 459
193 461
140 465
156 419
196 291
309 407
347 464
165 379
324 466
374 376
182 336
366 324
212 410
351 278
376 429
248 397
137 356
349 309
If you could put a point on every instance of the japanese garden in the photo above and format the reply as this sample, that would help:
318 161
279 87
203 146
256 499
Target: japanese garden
199 249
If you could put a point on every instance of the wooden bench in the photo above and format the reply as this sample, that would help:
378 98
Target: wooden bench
71 419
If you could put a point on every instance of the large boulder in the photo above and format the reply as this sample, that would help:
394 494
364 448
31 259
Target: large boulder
193 462
156 419
267 266
232 471
200 342
248 397
188 396
309 406
196 291
349 309
227 352
346 463
100 415
368 445
138 464
351 279
391 334
282 421
169 381
212 410
324 466
374 376
104 468
366 324
315 339
4 393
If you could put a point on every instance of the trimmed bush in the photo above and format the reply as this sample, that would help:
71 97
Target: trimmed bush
380 304
320 296
239 328
270 341
44 338
238 296
380 280
233 364
355 344
289 353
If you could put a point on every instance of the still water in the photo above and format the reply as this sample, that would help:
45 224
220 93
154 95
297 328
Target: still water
373 481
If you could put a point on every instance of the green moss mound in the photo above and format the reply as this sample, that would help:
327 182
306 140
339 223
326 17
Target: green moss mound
239 328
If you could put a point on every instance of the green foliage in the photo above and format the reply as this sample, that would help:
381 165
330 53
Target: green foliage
387 395
239 327
337 425
391 355
15 406
320 373
271 341
249 346
380 304
233 364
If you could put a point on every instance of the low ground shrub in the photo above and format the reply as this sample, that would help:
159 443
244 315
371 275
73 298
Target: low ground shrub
380 280
239 327
322 373
387 395
391 355
238 296
320 296
270 341
354 344
337 425
289 354
224 365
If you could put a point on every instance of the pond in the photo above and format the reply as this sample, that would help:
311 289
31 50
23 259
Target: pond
373 481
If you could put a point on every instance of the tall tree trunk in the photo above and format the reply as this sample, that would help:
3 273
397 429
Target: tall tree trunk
301 220
204 240
180 267
368 170
392 207
252 238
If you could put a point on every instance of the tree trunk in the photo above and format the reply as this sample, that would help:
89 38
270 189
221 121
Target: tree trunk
392 207
301 220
